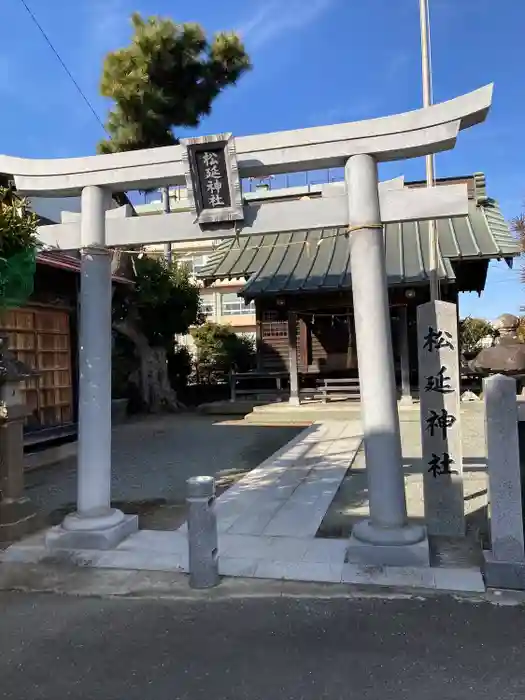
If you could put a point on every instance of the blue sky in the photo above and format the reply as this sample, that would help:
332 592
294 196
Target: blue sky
315 62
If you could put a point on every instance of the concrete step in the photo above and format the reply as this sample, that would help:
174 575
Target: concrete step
49 456
285 414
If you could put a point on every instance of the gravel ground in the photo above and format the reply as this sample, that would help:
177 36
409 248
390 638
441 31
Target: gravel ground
351 501
153 457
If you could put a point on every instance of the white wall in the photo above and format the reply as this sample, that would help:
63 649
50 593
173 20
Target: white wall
51 207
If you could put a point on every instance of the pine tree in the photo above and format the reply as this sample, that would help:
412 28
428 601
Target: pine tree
167 77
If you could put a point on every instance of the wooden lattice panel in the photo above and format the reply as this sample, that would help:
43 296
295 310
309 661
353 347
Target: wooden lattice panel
41 338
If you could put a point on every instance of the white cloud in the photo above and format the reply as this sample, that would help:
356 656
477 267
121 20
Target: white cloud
280 16
108 25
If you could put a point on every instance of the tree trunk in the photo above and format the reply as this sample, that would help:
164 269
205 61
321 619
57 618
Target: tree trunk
155 389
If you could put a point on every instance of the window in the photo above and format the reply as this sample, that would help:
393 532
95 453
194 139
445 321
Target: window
275 329
208 306
194 263
273 326
232 305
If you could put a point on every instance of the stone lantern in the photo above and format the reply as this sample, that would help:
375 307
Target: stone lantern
507 356
16 511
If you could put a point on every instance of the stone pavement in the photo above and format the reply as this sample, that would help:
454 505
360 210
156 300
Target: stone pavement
289 494
272 515
267 525
300 647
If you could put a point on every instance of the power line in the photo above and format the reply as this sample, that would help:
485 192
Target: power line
62 63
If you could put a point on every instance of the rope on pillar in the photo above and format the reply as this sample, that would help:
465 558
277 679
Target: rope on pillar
351 229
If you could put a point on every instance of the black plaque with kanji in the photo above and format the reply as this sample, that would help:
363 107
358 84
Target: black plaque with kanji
212 177
212 186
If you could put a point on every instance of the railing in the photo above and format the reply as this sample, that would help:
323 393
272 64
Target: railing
298 179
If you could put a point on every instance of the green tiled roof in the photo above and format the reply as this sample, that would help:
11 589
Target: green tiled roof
318 260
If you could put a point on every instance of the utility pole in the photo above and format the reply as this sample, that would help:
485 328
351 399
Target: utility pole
426 65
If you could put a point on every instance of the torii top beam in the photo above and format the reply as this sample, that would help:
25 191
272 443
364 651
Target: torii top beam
409 135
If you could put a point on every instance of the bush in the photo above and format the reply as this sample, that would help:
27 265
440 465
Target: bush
244 353
472 331
180 367
18 225
18 243
220 349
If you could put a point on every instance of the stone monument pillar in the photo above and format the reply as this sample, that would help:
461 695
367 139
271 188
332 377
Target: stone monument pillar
504 564
439 393
17 513
387 537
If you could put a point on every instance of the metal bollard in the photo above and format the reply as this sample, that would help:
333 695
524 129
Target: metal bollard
202 532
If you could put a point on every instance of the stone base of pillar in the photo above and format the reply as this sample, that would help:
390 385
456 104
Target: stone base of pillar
406 546
368 532
17 517
92 533
406 401
367 554
294 401
503 574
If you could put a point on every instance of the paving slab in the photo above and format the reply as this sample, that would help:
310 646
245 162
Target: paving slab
289 494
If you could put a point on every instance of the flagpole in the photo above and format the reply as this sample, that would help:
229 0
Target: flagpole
430 169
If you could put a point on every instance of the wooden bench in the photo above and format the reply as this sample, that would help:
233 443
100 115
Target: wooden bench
236 392
329 388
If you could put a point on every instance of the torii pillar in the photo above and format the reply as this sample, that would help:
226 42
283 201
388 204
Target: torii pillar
95 524
387 537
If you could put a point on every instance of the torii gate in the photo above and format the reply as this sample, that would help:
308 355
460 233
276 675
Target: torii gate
363 207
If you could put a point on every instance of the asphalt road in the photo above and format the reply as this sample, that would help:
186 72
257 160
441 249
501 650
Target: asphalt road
56 647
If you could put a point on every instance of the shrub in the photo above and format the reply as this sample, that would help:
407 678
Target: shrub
220 349
180 367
